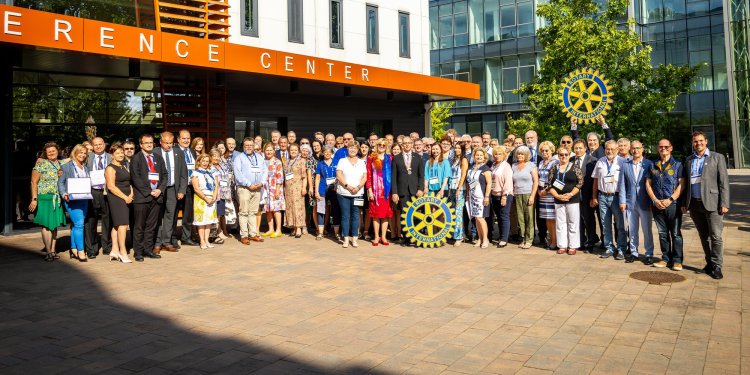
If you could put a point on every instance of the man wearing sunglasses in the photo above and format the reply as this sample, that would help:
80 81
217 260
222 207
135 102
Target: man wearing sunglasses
664 185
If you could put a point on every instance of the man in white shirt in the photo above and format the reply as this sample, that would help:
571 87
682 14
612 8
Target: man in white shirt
98 207
177 181
607 174
186 204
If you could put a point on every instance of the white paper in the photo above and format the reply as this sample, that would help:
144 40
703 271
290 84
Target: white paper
330 181
97 178
321 206
79 185
290 176
359 202
434 181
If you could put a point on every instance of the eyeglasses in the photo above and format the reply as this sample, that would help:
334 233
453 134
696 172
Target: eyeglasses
664 147
383 146
565 142
304 143
129 148
563 155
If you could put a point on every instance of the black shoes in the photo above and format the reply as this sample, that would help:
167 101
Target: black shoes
139 259
716 274
648 261
605 255
630 259
189 243
152 255
619 256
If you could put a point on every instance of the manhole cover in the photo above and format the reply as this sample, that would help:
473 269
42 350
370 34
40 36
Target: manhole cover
657 277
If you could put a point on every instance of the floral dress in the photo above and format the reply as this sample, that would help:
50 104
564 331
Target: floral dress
49 209
294 216
457 199
273 185
204 214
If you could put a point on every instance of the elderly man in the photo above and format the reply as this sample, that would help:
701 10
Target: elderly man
97 162
275 137
593 139
486 140
249 172
291 137
606 177
635 202
177 181
282 153
407 178
348 140
186 204
320 137
232 147
707 198
664 185
414 136
623 149
148 175
330 140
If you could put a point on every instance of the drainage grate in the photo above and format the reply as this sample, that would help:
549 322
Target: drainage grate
657 277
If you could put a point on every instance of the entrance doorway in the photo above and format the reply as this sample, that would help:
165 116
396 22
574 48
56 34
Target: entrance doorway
263 126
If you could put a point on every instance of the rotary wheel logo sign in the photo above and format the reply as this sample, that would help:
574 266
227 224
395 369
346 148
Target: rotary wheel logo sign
585 95
428 220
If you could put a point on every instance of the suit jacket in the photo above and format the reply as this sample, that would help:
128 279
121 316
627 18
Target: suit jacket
587 167
599 152
69 171
139 178
179 167
403 183
714 181
278 156
629 182
92 158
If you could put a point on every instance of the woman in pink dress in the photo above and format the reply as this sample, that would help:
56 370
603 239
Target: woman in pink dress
378 190
272 197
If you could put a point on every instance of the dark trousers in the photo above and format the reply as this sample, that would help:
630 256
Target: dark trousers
709 225
403 202
668 223
502 213
168 219
588 223
98 208
146 219
186 205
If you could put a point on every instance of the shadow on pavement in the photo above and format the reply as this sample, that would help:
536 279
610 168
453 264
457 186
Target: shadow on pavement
57 319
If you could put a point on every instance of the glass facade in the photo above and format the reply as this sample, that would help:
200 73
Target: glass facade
739 26
493 43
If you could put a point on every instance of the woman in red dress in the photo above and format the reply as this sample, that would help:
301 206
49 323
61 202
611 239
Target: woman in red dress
378 190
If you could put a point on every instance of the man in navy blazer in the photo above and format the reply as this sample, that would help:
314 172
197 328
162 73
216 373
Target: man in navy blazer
97 162
148 176
635 202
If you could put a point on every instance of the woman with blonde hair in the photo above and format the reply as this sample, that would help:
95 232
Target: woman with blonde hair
206 188
223 173
479 179
546 213
295 189
525 184
76 204
198 145
273 191
502 192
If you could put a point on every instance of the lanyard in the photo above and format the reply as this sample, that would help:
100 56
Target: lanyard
327 169
609 166
75 171
697 167
254 161
188 156
208 177
561 175
291 167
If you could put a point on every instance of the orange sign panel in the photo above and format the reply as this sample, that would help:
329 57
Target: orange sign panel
43 29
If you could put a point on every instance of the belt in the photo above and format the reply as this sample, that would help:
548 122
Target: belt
608 194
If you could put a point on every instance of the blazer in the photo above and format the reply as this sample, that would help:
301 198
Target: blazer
278 155
599 152
535 158
714 181
69 171
92 158
139 178
179 167
587 167
403 183
629 182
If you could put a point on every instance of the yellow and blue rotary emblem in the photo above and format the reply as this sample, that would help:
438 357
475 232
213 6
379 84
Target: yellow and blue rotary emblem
428 220
585 95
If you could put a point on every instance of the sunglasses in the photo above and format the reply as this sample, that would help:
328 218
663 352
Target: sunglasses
664 147
129 149
566 142
304 143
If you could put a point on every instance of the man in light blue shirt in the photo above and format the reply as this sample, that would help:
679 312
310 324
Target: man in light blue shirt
249 174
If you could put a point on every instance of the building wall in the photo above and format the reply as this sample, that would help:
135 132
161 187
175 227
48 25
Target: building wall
493 43
273 31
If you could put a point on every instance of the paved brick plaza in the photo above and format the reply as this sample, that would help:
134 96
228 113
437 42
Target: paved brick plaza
305 306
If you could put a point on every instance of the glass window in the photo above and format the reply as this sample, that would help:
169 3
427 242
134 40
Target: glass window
674 9
493 81
337 37
459 24
460 7
492 20
510 79
446 26
697 8
372 29
295 21
434 39
403 34
676 51
657 53
446 10
249 17
653 11
508 16
525 12
476 22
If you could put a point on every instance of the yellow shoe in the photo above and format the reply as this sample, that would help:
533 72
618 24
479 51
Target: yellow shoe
275 235
266 234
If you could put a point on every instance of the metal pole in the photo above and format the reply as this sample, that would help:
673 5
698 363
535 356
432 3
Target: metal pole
6 122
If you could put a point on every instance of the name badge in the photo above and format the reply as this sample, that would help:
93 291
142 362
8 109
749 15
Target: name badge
434 181
473 184
559 185
330 181
190 168
359 202
542 183
223 183
97 177
290 176
695 180
153 176
609 179
255 169
454 184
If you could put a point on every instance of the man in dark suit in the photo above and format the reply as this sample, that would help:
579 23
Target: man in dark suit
186 204
129 148
148 175
283 152
177 181
707 198
588 221
97 162
407 178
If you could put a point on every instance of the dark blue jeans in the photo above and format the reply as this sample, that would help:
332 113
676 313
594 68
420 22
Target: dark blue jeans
668 222
349 216
502 213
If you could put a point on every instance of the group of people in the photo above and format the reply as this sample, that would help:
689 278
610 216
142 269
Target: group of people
351 189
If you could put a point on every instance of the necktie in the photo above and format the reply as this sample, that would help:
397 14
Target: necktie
152 169
101 163
408 160
169 168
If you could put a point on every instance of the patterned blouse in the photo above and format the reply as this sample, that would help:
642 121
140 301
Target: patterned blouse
49 172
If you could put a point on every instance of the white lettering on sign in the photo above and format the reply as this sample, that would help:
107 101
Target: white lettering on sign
310 66
213 52
148 43
7 23
177 48
65 31
289 64
103 37
263 57
347 72
330 69
365 76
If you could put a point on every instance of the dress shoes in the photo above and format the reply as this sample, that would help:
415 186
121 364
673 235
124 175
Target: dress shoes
139 259
152 256
91 256
157 249
176 246
169 248
245 240
630 259
256 239
648 261
189 243
716 274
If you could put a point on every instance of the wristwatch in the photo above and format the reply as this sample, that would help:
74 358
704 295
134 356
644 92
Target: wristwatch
671 199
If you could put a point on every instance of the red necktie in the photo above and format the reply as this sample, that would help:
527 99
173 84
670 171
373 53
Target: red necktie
151 168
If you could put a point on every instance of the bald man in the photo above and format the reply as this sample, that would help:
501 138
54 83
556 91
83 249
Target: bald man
98 209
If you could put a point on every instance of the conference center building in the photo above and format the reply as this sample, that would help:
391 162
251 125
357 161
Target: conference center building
219 68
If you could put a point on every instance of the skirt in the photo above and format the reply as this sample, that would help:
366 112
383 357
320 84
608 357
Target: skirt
49 211
203 214
547 207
